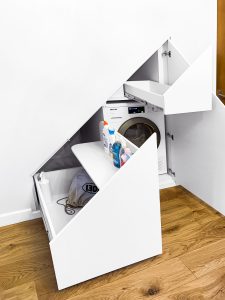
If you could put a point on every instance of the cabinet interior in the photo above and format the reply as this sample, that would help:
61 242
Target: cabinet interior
84 148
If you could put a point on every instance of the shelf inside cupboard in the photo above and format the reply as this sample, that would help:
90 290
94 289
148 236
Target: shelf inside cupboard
100 167
147 90
95 161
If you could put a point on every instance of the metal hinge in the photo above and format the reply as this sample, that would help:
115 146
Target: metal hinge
171 136
167 53
171 172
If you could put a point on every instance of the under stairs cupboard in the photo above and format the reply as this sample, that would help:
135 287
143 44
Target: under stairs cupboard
181 88
121 224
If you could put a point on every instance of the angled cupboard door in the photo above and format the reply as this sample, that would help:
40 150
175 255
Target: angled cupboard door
198 153
181 87
118 227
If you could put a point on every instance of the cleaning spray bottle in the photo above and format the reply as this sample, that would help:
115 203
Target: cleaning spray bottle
116 154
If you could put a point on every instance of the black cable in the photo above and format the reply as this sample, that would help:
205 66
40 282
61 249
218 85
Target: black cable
69 209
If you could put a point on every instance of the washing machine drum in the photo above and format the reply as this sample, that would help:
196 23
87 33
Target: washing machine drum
138 130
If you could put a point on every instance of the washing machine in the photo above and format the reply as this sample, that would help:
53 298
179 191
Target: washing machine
137 122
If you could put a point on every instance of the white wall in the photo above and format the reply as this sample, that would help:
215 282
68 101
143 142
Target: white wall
60 60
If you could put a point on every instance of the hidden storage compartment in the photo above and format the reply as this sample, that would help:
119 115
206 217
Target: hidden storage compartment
83 150
168 81
53 213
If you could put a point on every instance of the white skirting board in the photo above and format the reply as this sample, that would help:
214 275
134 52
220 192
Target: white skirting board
18 216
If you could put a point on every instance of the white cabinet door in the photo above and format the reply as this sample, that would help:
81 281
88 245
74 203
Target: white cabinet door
118 227
182 88
198 153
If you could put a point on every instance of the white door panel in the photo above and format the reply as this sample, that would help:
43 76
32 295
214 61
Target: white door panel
198 153
118 227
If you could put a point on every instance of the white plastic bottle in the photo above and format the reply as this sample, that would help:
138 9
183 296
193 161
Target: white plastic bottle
45 188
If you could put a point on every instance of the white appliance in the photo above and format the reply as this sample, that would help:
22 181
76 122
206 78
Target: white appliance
137 122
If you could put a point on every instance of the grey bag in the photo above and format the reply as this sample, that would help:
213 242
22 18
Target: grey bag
82 189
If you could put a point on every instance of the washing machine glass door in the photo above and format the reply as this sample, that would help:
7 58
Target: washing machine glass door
138 130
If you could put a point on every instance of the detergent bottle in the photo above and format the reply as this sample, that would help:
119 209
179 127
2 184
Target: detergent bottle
116 154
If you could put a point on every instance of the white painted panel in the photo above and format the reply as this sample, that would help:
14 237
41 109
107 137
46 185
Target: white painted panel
163 64
198 148
191 91
118 227
49 226
148 71
170 67
60 180
97 163
177 64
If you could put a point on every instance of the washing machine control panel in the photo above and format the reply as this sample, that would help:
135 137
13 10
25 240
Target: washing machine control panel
136 110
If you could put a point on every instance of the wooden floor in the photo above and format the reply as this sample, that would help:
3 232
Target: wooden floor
192 265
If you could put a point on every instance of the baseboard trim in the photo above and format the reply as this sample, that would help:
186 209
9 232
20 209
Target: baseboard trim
18 216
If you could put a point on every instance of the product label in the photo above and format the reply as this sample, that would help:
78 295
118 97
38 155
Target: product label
90 188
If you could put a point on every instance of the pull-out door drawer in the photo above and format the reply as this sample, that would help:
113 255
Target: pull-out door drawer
119 226
181 87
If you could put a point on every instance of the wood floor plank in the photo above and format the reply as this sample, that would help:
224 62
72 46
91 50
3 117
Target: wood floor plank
27 291
203 212
21 230
17 249
202 235
25 270
206 215
206 259
150 282
171 193
180 243
208 287
47 289
182 214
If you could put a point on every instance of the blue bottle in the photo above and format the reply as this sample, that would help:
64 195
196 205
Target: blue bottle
116 148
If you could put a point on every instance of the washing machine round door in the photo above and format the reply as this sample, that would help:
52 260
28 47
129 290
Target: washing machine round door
138 130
